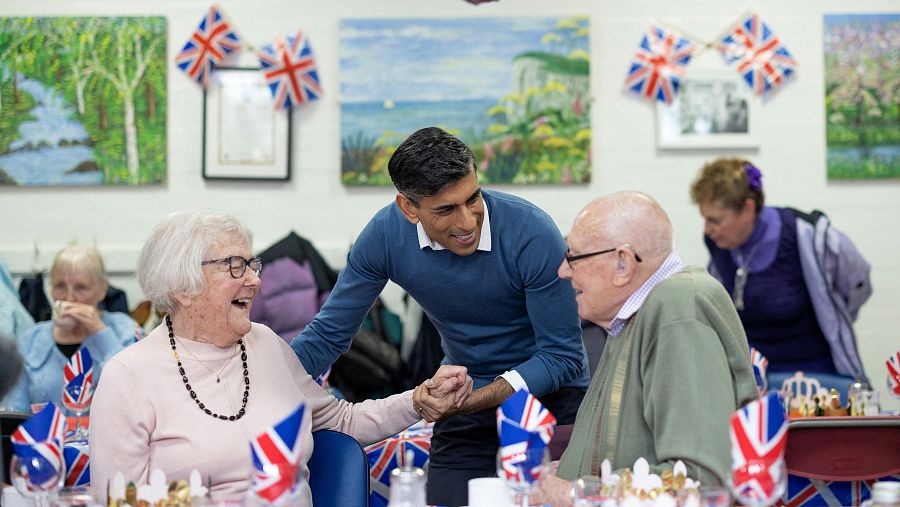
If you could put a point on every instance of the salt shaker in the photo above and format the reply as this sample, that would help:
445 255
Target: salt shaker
407 484
853 392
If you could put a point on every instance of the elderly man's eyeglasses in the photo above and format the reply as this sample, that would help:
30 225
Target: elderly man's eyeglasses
238 265
572 258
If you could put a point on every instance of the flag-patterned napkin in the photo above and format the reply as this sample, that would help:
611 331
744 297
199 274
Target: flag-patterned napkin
893 378
290 70
38 444
79 378
78 471
760 365
758 440
276 458
211 42
525 428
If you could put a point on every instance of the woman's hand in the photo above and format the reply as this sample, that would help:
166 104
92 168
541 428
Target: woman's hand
442 394
86 316
552 491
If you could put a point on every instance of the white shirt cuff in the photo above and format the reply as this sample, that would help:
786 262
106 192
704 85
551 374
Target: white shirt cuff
515 380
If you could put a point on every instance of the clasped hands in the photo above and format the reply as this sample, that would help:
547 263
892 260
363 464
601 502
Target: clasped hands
443 394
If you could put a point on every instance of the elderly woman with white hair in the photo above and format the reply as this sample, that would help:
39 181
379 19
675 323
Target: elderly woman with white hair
78 283
198 388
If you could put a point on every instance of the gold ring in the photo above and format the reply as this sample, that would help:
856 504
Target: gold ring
419 409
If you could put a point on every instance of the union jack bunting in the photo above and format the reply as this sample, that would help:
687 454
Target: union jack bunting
660 62
38 441
276 458
210 43
525 428
893 378
760 364
80 363
761 58
390 453
79 377
803 492
290 70
758 439
77 466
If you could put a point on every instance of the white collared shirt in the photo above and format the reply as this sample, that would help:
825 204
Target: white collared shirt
669 267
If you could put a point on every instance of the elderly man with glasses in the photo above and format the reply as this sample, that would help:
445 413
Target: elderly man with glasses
676 363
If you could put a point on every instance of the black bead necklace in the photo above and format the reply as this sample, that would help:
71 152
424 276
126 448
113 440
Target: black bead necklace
187 384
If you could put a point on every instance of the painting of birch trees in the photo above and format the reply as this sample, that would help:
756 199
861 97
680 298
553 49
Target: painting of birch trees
82 101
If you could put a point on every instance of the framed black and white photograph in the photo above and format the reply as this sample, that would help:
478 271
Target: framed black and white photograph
713 109
244 136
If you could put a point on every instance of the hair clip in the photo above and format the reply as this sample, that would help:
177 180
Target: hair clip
754 177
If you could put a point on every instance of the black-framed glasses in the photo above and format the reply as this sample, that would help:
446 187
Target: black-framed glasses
238 265
572 258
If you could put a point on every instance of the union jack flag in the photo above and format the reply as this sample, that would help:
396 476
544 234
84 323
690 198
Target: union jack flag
276 458
38 442
79 377
210 43
893 378
525 428
803 492
290 70
390 453
760 364
659 64
758 439
78 471
762 59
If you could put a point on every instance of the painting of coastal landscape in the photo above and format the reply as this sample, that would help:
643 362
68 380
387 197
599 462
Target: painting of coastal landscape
82 101
862 93
514 89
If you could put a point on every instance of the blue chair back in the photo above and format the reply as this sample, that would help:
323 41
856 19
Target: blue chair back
338 471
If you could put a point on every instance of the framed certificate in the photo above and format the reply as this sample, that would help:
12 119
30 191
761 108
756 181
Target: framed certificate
244 136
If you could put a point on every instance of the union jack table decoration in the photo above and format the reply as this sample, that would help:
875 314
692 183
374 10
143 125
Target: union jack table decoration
290 70
761 58
760 365
893 378
208 46
525 428
276 458
758 440
77 466
78 375
390 453
658 65
38 441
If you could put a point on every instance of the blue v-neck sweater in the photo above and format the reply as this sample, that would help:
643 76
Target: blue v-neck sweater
505 309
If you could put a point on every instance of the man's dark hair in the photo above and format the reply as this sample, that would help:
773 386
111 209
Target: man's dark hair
428 161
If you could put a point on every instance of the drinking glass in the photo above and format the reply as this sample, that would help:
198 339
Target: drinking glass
589 491
753 498
523 470
84 393
36 479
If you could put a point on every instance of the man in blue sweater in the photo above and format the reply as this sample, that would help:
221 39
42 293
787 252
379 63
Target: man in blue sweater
482 265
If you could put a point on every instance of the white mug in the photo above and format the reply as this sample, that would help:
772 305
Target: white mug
489 492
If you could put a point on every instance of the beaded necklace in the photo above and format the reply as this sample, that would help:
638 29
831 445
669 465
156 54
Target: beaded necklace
187 384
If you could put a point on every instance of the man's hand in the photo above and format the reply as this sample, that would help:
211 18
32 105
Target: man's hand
552 491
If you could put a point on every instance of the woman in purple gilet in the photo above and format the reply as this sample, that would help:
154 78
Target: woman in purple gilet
794 314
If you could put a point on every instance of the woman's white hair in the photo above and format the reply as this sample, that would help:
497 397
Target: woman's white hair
80 258
169 262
